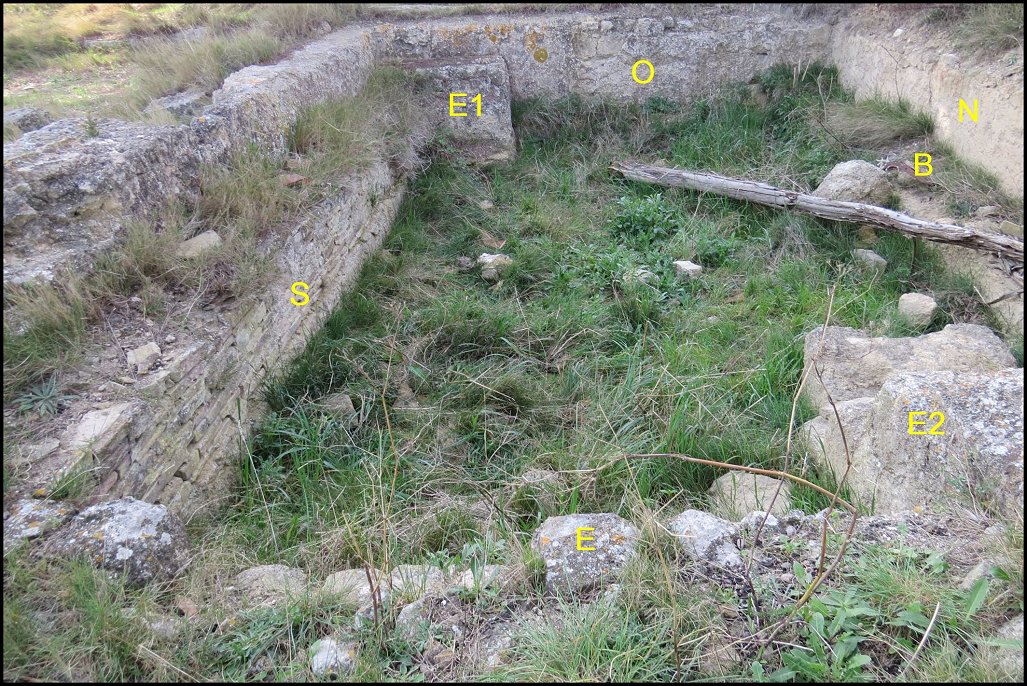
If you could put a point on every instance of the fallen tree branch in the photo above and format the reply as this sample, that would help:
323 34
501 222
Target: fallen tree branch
764 194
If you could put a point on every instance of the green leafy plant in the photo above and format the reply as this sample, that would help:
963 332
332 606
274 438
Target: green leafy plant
645 220
45 398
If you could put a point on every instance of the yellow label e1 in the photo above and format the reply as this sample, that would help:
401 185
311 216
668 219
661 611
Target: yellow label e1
454 104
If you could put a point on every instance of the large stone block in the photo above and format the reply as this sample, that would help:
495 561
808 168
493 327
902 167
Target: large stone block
977 448
854 365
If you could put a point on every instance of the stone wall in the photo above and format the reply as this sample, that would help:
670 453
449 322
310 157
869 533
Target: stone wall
174 435
894 55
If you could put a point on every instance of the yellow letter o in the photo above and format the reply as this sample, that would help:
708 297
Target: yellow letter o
634 71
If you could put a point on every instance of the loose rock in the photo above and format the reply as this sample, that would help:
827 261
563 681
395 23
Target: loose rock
340 406
919 309
28 519
855 181
687 270
869 259
144 541
144 357
197 245
738 493
706 538
269 584
493 265
330 657
571 569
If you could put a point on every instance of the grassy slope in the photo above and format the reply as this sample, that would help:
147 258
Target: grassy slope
565 365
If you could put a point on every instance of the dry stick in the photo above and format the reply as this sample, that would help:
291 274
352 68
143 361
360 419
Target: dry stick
797 479
791 428
765 194
923 642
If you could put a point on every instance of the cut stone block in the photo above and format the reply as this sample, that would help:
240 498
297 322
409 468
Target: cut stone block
584 550
687 270
854 365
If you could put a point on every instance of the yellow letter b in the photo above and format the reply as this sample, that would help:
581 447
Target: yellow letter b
921 160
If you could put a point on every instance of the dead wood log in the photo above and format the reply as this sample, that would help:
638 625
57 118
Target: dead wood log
764 194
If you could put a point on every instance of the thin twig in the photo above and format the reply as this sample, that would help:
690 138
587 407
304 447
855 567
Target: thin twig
923 642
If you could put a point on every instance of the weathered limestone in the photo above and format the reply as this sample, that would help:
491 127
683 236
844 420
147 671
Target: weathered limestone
980 445
145 542
706 538
869 259
27 118
481 128
855 181
27 519
971 409
922 67
144 357
270 584
574 563
184 104
735 494
854 365
687 270
351 586
492 266
331 657
200 244
919 309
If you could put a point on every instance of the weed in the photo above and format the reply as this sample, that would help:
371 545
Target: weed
44 399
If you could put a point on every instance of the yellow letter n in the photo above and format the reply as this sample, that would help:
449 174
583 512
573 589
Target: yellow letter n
972 112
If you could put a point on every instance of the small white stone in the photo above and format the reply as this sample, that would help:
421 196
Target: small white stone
328 656
898 32
687 270
492 265
917 308
197 245
170 338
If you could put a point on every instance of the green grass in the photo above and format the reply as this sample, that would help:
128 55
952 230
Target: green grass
566 365
119 78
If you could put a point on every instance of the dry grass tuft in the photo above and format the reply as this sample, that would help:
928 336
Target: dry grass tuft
874 124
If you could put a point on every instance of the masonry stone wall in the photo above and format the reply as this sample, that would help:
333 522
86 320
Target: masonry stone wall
174 436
